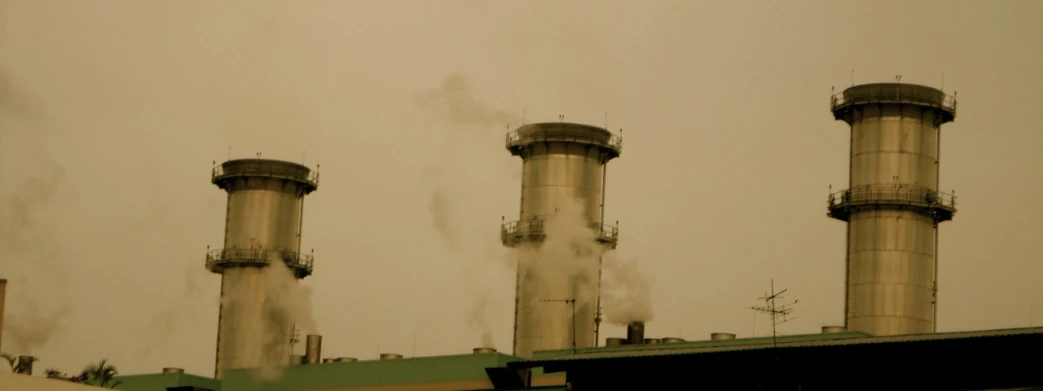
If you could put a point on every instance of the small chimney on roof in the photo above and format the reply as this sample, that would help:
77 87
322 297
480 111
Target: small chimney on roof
833 329
173 370
3 297
313 349
390 356
635 333
484 350
721 336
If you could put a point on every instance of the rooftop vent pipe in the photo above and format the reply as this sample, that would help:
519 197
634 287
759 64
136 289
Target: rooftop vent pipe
390 356
173 370
345 359
721 336
484 350
313 349
3 296
635 333
833 329
610 342
24 365
671 340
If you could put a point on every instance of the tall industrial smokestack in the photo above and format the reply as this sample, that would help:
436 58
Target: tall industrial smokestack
559 161
892 205
3 298
263 225
313 349
635 333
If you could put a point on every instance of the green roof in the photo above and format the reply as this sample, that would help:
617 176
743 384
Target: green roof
738 342
160 382
418 370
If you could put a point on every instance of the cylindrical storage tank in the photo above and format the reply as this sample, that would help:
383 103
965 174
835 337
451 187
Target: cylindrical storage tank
484 350
312 349
390 356
173 370
833 329
563 174
721 336
671 340
651 341
635 333
611 342
892 205
261 248
345 359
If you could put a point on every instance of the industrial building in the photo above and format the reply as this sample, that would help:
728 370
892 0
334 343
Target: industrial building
892 208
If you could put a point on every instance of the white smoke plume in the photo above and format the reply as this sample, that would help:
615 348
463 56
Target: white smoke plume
626 292
465 120
27 219
270 319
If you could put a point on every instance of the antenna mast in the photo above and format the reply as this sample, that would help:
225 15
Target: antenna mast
776 312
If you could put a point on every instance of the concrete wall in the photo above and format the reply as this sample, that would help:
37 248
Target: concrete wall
19 382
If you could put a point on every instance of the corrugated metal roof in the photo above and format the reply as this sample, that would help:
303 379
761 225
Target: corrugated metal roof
799 341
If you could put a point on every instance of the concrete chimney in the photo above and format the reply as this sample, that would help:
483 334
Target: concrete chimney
3 296
313 349
721 336
833 329
390 356
173 370
635 333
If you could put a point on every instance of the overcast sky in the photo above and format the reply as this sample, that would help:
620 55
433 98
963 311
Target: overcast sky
112 113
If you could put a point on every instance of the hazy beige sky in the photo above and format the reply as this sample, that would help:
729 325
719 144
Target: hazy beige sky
120 107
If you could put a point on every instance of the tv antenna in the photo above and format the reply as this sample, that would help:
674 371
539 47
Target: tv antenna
571 302
779 313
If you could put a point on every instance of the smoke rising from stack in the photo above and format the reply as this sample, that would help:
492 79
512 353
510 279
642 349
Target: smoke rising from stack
26 224
563 267
467 121
625 291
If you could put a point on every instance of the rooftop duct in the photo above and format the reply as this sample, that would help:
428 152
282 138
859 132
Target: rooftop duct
610 342
345 359
671 340
484 350
173 370
833 329
3 296
390 356
635 333
721 336
313 349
